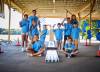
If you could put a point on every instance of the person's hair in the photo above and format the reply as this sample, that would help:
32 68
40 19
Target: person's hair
73 15
68 17
33 10
36 35
70 38
58 24
25 15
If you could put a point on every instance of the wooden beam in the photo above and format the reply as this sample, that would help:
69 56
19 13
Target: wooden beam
51 16
16 6
88 14
92 5
79 16
84 8
68 11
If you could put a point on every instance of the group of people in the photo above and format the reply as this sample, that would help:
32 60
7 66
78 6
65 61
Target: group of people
71 35
36 46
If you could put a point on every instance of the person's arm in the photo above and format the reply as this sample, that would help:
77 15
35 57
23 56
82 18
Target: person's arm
39 25
53 27
62 23
20 23
28 26
80 30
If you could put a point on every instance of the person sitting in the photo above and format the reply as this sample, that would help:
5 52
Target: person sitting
69 48
37 48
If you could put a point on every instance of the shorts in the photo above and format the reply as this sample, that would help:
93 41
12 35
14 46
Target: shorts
59 41
66 36
25 37
25 33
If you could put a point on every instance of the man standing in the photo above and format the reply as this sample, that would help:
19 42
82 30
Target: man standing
34 18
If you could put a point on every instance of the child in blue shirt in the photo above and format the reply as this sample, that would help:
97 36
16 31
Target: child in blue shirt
69 48
37 47
75 34
59 35
43 34
24 24
67 29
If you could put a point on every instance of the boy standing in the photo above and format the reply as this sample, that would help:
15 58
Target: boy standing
67 30
58 34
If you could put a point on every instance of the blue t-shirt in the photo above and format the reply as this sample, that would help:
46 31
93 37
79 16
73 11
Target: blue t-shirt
31 18
69 46
75 33
33 29
43 36
58 34
74 21
36 46
24 24
68 29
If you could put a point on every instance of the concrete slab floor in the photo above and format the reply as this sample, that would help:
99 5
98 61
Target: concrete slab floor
13 60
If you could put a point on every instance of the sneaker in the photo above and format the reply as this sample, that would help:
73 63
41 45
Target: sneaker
26 49
1 52
68 57
23 50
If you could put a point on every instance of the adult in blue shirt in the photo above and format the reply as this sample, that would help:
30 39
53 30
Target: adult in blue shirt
74 20
36 20
59 35
24 24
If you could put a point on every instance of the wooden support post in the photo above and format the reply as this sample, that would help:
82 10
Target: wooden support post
91 10
51 34
9 7
79 19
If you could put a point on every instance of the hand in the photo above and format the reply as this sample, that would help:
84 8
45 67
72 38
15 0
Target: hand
54 25
40 29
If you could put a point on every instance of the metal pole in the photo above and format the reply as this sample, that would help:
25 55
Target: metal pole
9 7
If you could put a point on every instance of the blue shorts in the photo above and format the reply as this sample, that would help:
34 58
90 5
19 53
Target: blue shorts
66 36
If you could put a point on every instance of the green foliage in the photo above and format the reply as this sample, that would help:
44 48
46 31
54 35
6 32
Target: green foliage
94 26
